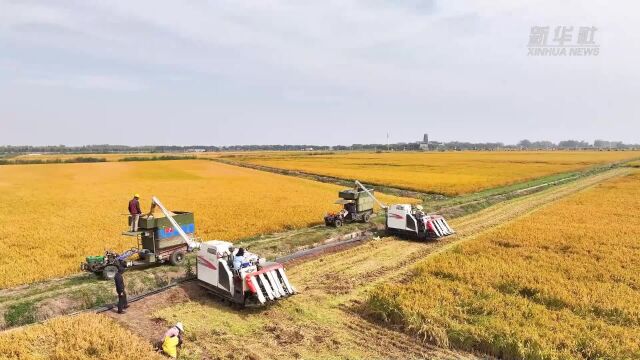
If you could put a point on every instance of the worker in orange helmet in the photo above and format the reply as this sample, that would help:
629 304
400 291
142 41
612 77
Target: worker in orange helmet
134 211
173 340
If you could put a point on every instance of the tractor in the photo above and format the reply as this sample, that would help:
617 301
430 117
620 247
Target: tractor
159 240
357 206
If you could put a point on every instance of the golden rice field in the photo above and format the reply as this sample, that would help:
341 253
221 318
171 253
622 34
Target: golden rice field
81 337
560 283
52 216
450 173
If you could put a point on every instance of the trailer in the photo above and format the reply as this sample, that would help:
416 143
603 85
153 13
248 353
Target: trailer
357 206
159 240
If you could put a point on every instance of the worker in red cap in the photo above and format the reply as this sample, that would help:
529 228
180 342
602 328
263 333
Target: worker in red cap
134 212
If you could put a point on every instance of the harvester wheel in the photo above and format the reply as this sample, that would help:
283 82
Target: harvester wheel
337 223
177 257
366 217
109 272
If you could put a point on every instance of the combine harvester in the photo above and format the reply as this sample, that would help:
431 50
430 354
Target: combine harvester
256 282
401 219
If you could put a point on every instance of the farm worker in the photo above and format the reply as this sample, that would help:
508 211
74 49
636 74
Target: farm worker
173 340
238 259
122 295
134 211
350 207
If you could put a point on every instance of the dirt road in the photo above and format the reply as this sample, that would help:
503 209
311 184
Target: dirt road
325 319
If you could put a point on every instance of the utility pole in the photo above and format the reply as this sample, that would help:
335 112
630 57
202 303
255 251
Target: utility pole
387 141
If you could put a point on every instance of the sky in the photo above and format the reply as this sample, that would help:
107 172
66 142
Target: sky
312 72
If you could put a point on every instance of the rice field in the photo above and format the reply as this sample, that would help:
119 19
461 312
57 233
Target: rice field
560 283
54 215
449 173
82 337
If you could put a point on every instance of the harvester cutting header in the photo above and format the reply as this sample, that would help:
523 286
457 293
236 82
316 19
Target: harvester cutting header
402 219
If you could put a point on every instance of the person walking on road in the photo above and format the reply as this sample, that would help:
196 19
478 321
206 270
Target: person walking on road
134 211
122 295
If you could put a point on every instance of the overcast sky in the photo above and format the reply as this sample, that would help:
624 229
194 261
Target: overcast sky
315 72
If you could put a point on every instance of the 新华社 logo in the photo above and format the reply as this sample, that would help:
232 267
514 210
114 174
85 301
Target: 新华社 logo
563 41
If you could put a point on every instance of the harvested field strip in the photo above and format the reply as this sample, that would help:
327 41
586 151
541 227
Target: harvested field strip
558 283
332 291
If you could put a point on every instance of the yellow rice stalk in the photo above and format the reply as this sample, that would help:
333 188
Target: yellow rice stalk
450 173
52 216
560 283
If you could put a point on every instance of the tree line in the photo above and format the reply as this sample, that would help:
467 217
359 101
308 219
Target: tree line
413 146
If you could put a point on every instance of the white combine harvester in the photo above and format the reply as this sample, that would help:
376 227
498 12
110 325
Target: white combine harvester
405 219
256 282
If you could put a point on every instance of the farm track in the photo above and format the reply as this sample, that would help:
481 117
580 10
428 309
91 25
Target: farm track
332 290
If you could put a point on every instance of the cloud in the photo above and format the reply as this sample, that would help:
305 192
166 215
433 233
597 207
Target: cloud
90 82
459 64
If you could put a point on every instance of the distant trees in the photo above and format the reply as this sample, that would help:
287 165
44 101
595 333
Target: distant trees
525 144
536 145
573 144
81 159
603 144
107 149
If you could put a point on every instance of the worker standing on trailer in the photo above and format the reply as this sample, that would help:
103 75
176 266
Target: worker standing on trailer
122 295
134 211
173 340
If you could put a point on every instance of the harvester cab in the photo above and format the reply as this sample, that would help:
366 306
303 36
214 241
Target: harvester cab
405 219
254 282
